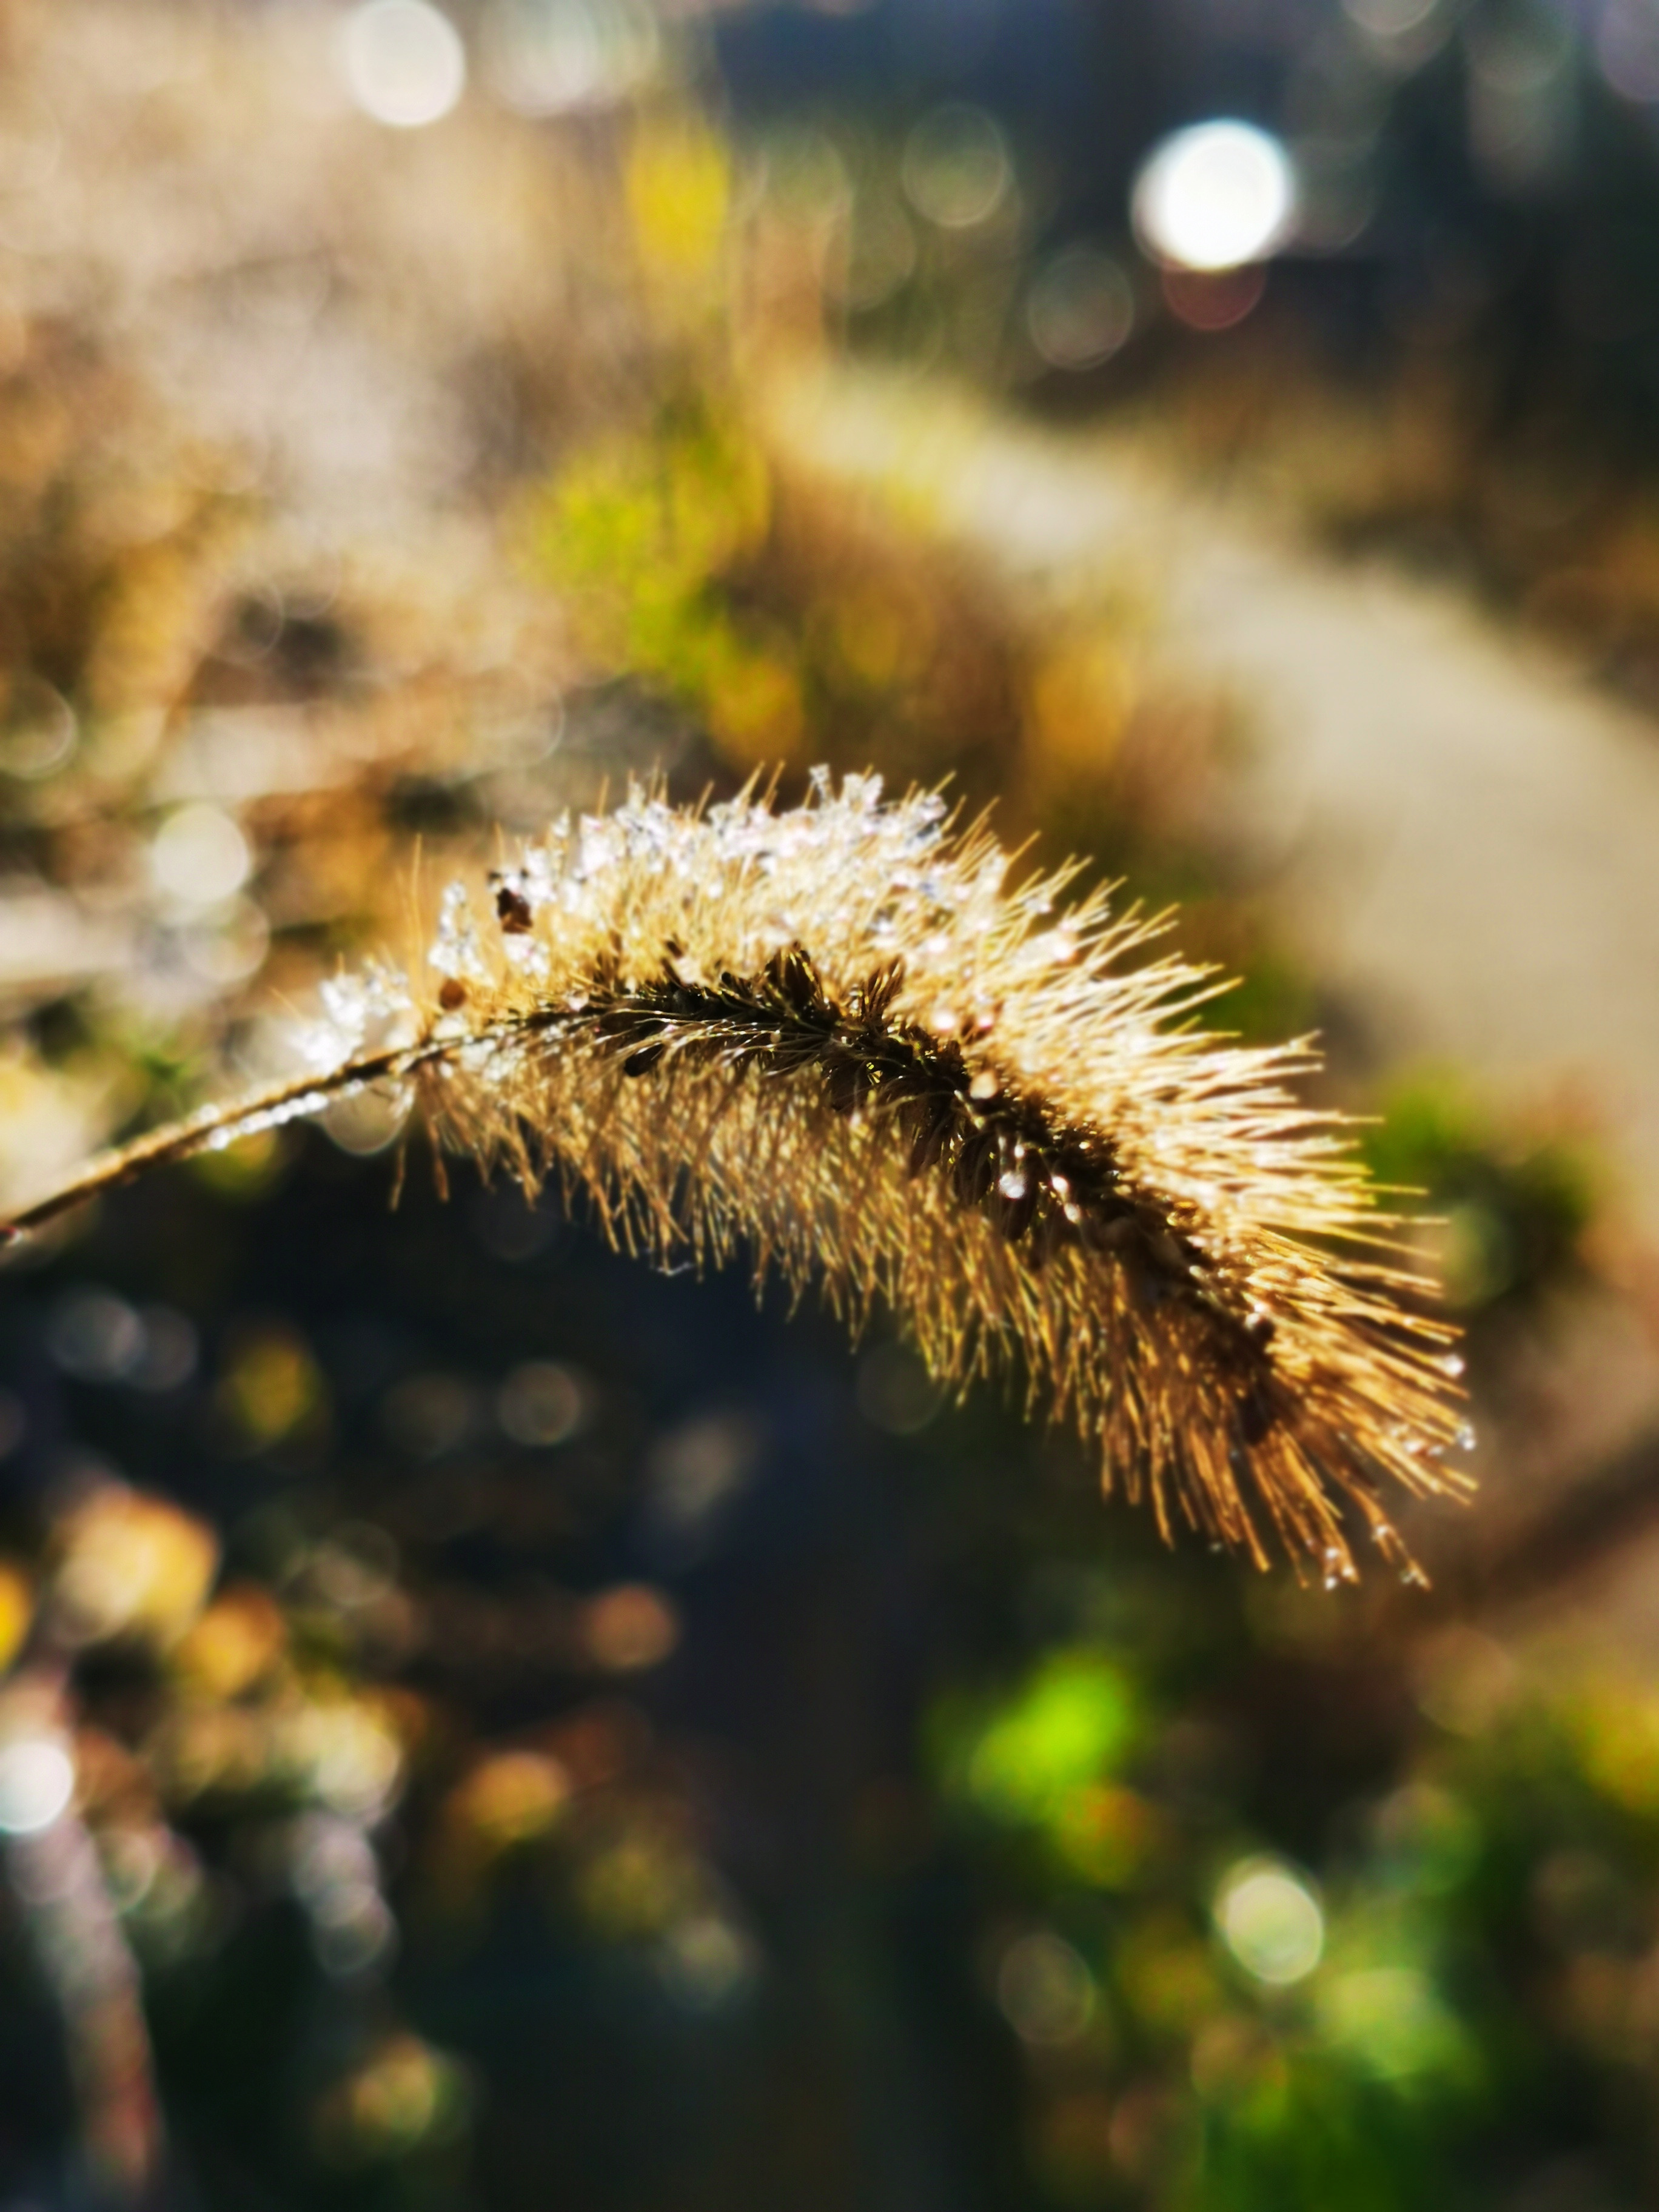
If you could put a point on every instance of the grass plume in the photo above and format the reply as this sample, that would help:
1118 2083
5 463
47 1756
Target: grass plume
840 1038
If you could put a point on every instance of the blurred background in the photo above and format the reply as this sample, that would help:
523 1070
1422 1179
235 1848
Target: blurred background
486 1727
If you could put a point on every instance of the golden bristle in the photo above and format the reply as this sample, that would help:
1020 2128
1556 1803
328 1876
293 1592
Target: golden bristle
837 1038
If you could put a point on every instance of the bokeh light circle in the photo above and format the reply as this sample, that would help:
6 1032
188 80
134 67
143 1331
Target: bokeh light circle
1627 50
1081 309
1215 197
559 57
404 61
37 1780
37 730
1271 1921
1389 19
1045 1990
956 169
199 856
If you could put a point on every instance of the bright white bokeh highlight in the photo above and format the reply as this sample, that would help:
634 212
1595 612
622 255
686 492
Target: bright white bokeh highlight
560 57
37 1780
404 61
1215 197
199 857
1271 1921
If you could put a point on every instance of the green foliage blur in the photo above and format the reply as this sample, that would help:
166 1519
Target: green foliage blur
482 1728
1513 1215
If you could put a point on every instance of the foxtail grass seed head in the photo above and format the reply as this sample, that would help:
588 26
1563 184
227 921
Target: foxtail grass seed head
840 1040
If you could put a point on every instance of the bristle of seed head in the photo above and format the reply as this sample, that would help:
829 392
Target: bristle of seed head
726 1027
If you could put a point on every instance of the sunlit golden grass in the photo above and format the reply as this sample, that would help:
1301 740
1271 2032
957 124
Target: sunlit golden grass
840 1040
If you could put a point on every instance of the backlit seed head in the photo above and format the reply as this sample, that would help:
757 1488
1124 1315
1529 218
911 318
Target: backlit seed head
733 1031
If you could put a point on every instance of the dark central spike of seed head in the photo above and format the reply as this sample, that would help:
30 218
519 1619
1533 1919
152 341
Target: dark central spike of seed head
1039 1184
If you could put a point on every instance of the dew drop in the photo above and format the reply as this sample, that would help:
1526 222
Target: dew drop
1453 1364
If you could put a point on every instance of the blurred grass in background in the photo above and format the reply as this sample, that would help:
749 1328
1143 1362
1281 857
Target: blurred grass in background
485 1728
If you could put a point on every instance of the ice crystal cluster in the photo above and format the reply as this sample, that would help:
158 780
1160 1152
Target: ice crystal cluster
841 1040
